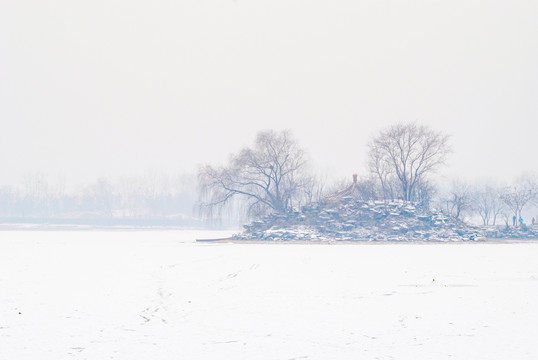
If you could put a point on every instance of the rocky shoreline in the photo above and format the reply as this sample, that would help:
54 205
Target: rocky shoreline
346 219
236 240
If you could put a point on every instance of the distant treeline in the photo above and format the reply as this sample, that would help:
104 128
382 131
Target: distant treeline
143 200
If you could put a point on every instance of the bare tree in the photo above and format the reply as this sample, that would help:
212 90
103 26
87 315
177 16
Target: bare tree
425 191
383 171
99 196
409 153
35 192
314 189
458 202
272 176
520 195
488 204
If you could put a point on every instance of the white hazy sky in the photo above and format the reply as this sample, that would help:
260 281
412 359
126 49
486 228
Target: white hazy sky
95 88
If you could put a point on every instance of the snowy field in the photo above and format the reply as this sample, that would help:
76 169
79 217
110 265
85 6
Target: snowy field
158 295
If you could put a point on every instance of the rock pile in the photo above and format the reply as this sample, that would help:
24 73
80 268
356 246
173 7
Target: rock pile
346 218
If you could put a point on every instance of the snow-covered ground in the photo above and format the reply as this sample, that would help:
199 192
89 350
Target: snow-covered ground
158 295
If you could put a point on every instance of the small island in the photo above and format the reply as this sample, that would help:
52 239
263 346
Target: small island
397 201
344 217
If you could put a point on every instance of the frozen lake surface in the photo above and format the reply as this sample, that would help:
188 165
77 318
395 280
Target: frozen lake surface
158 295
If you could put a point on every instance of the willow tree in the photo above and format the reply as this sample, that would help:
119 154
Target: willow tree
406 154
270 177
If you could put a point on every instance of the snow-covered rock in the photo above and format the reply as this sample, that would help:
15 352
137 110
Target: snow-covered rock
347 218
